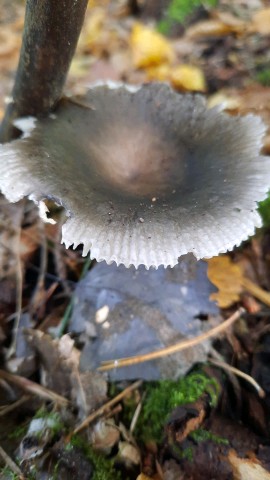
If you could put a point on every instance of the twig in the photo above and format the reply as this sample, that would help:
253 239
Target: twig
33 387
8 408
256 291
35 304
65 319
115 411
136 415
19 289
239 373
9 462
123 362
233 378
51 32
60 265
100 411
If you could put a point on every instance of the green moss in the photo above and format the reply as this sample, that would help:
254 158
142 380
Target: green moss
19 432
7 474
187 454
182 453
53 419
202 435
179 10
264 210
103 468
162 397
263 77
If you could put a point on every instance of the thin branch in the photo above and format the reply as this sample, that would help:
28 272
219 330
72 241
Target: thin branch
136 415
256 291
51 32
123 362
239 373
98 413
9 408
10 463
32 387
19 290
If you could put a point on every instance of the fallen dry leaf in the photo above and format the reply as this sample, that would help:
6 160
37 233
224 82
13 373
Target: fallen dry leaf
188 77
128 454
253 99
149 47
227 277
30 242
210 28
182 77
93 29
105 435
261 22
9 42
61 372
159 73
247 469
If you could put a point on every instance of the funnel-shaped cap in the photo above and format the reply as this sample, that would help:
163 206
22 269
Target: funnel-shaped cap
145 176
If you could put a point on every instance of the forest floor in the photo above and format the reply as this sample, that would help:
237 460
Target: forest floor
203 412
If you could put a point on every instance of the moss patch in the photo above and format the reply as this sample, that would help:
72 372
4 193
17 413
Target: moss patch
264 210
162 397
179 10
202 435
103 468
263 77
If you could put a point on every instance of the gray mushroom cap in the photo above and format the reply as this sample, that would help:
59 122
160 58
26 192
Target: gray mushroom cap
145 176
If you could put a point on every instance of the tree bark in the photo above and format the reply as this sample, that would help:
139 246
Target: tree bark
51 32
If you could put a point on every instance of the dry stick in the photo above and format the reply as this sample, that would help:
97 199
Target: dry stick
51 32
123 362
136 415
19 290
239 373
8 408
256 291
9 462
33 387
40 284
100 411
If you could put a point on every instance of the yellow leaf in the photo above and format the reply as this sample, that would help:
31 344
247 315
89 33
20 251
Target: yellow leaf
159 72
227 277
187 77
261 22
93 29
230 280
149 47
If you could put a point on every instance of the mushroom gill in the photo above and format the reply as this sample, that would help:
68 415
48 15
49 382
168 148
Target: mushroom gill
145 176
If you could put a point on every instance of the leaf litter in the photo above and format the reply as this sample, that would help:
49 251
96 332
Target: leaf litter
190 418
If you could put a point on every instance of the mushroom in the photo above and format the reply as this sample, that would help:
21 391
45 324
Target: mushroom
146 175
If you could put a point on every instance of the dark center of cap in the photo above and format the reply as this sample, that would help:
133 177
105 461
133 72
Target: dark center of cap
138 162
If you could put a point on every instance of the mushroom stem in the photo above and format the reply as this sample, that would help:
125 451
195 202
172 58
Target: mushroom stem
51 32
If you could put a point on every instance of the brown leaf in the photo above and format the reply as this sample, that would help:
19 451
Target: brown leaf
231 281
227 277
247 469
211 28
261 22
61 373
